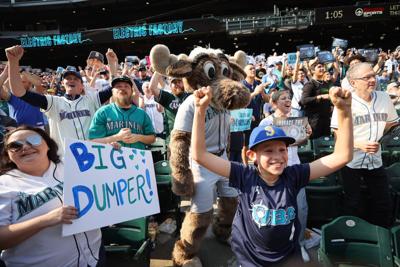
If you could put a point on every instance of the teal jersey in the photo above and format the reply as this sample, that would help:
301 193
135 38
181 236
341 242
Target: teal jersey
110 119
171 104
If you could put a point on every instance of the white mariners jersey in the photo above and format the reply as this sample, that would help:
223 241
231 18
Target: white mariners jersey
70 118
217 124
369 121
23 197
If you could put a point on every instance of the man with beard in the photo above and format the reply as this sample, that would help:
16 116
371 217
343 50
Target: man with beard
69 115
170 101
122 122
373 113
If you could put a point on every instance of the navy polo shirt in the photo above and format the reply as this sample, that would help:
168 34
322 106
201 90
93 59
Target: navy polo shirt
265 228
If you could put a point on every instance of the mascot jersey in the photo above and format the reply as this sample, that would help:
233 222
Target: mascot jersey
265 228
217 124
110 119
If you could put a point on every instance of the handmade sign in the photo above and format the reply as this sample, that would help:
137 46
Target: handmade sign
106 185
241 119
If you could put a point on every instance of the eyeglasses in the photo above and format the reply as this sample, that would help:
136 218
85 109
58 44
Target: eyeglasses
367 78
33 140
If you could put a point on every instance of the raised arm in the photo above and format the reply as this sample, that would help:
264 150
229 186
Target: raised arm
4 93
200 154
112 61
154 81
343 151
296 67
14 55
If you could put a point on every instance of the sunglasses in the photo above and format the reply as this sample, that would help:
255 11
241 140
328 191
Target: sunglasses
33 140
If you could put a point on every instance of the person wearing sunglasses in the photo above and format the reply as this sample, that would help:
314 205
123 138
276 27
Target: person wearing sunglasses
373 113
31 206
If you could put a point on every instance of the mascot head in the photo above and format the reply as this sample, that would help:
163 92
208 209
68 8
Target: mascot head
206 67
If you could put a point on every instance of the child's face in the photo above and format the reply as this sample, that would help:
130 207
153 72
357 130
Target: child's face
272 158
284 103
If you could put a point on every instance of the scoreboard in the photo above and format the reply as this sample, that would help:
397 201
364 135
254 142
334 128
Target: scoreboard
354 14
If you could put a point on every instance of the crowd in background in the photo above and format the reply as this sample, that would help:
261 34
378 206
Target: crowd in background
111 88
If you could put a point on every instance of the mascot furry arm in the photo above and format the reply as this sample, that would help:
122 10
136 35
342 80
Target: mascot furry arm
203 67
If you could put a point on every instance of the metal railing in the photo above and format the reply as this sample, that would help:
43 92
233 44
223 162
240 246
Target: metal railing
248 24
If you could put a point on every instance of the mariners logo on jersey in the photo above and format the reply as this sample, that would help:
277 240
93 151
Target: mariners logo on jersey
74 114
264 216
26 203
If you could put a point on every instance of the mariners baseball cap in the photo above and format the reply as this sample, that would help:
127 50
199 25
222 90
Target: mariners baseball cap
96 55
262 134
124 79
71 72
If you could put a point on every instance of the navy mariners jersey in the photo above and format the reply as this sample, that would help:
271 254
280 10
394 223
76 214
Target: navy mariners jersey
265 228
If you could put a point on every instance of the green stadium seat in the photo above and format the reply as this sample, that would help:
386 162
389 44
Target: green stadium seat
324 203
168 200
391 150
396 244
393 173
162 167
323 146
129 238
351 241
305 152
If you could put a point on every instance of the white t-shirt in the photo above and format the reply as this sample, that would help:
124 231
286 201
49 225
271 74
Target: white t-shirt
297 89
70 118
150 106
369 121
293 157
23 197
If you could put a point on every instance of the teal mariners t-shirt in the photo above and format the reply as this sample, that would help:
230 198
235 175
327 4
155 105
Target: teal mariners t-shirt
110 119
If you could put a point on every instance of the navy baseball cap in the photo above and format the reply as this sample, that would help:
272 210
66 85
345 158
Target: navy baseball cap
71 72
124 79
262 134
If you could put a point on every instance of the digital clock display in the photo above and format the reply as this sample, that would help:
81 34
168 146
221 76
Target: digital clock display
350 14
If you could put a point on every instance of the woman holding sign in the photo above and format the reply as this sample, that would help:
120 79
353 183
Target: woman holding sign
31 206
299 129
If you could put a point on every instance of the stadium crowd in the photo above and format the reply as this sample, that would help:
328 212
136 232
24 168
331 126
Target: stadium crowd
126 103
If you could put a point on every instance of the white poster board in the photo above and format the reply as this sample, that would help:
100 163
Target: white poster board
106 185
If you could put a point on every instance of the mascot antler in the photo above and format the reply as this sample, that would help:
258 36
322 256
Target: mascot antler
161 58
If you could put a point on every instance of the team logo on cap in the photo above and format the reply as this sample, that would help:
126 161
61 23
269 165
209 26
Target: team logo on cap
269 131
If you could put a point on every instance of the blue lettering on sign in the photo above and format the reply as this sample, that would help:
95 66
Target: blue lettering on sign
53 40
130 32
118 193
